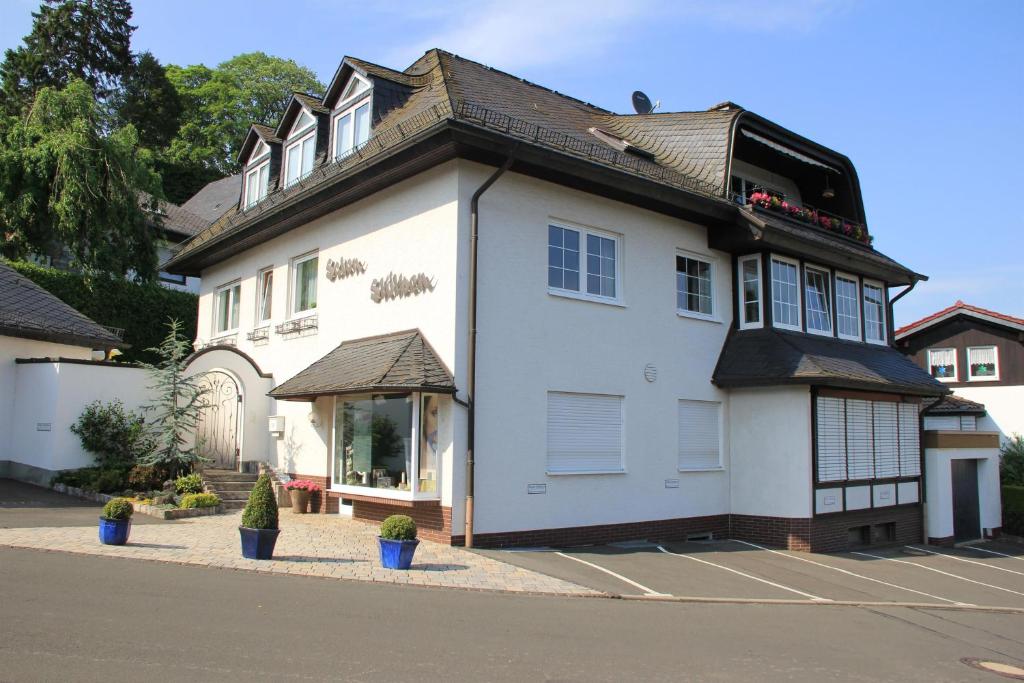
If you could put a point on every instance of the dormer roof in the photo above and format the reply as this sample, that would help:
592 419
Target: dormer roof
296 104
257 132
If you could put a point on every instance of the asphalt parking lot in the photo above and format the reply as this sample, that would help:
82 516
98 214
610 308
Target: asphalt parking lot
989 574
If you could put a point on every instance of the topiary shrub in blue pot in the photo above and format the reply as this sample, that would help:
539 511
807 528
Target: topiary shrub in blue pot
259 522
116 521
397 542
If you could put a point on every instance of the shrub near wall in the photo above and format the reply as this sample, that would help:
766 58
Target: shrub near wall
141 310
1013 510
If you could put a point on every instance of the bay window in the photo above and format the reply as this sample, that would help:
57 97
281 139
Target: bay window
299 158
694 281
847 307
982 363
750 291
599 278
226 308
303 285
785 293
874 313
818 299
942 364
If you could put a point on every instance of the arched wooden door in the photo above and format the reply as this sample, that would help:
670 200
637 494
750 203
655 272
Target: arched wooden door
217 433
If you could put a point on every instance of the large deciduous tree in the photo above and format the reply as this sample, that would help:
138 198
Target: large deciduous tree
66 181
221 103
83 39
149 101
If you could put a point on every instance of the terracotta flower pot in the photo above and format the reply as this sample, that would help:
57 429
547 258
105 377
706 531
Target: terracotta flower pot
300 500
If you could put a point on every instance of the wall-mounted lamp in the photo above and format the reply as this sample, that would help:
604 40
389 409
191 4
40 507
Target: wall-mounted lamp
828 192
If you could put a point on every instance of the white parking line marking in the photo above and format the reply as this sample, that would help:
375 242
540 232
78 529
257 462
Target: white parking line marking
744 574
631 582
939 571
859 576
964 559
986 550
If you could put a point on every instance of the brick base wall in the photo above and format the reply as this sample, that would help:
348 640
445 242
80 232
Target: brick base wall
830 533
433 521
781 532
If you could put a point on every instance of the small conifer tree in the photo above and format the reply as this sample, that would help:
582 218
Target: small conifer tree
261 510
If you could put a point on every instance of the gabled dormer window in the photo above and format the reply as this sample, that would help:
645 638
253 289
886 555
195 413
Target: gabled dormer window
299 158
302 123
256 183
260 150
350 125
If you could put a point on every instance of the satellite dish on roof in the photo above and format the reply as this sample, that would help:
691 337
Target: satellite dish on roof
642 103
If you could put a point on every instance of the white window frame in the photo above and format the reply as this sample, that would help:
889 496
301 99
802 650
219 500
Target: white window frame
956 364
582 292
232 299
260 274
293 271
744 323
350 110
884 341
622 437
827 274
721 436
799 294
262 188
995 357
261 150
857 304
295 131
291 149
712 274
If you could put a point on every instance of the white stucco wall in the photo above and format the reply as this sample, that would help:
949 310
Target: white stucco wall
12 348
532 342
770 432
1004 405
410 228
939 488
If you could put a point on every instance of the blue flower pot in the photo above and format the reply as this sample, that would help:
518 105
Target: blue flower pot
114 531
258 544
396 554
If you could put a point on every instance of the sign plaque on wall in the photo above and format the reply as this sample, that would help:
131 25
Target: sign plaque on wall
400 286
346 267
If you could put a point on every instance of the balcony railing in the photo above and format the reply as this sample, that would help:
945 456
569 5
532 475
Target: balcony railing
806 213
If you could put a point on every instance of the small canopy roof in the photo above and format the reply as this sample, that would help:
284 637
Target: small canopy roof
955 405
400 361
782 149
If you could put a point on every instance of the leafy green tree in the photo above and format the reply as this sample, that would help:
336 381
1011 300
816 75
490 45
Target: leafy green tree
1011 461
149 101
65 181
70 39
221 103
177 406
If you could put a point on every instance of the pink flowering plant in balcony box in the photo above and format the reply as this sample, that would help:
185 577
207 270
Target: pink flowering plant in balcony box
774 203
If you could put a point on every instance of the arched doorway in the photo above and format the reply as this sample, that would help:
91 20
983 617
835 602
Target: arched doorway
217 431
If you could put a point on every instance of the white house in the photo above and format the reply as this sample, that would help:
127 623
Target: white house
526 320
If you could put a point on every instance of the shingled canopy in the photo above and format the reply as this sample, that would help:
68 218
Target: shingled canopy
771 357
400 361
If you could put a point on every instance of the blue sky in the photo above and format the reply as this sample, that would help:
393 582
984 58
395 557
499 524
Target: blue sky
922 96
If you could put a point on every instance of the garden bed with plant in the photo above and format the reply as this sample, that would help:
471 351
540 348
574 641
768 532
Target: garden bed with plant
187 499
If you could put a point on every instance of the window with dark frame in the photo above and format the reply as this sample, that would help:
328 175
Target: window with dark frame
693 285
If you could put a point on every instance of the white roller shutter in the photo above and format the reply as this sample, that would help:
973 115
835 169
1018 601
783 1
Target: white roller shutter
831 439
699 435
584 433
859 440
910 441
968 423
887 448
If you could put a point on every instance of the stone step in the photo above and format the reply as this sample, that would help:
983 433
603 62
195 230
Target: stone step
230 485
227 474
233 495
232 504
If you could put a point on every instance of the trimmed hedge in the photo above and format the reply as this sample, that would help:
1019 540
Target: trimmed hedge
118 508
1013 510
141 310
398 528
199 500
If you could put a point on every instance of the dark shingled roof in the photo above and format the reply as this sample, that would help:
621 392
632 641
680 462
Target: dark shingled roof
213 201
398 361
179 220
955 405
771 357
29 311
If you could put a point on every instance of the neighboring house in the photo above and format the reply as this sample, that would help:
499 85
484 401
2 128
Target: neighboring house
977 353
526 320
35 324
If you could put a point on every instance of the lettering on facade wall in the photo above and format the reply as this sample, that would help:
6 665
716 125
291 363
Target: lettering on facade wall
346 267
400 286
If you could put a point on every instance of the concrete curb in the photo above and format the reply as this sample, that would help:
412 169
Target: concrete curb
822 603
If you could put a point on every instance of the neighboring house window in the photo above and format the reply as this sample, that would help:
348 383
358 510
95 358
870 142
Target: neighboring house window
847 307
942 364
968 423
256 182
351 128
226 316
600 279
584 433
859 439
299 158
694 277
264 294
304 276
785 293
874 314
818 299
700 435
982 363
172 279
750 292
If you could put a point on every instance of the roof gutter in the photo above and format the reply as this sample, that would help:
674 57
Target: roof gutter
474 239
914 279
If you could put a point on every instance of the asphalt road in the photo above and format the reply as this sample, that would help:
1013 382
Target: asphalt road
82 618
23 505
